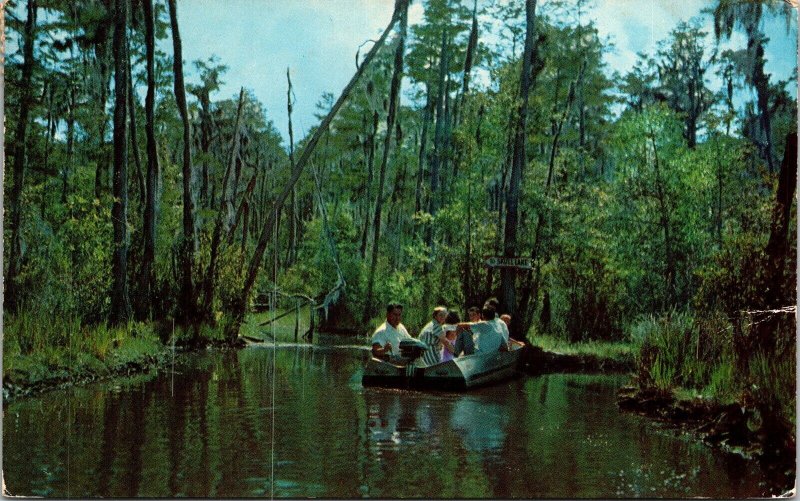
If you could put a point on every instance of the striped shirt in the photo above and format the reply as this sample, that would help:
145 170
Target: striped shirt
430 336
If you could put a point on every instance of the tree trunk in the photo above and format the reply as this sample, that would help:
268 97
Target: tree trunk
50 132
243 207
778 244
423 140
134 141
761 83
187 306
472 46
151 183
764 330
508 275
211 272
120 302
205 146
239 308
293 202
666 227
530 289
468 282
394 93
438 139
20 151
101 155
371 139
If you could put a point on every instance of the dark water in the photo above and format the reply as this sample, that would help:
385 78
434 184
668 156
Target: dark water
220 428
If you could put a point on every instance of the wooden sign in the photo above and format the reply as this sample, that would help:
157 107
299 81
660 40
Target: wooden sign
509 262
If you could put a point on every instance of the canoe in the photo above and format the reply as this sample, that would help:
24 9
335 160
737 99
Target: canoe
458 374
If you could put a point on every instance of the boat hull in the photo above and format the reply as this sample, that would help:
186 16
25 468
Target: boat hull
458 374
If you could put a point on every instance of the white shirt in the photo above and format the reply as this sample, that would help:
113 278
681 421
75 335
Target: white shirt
502 328
385 333
487 336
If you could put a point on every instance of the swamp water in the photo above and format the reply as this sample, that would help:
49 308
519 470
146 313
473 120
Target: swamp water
218 427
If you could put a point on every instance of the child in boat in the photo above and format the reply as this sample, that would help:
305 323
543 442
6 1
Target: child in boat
449 328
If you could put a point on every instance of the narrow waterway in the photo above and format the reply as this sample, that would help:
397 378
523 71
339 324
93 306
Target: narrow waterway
235 424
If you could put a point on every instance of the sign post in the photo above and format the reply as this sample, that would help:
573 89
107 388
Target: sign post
524 263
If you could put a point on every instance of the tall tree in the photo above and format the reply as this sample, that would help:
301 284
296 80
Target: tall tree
729 14
210 73
151 178
187 301
11 301
508 275
438 136
120 302
394 93
681 67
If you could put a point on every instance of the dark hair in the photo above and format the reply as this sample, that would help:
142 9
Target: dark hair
393 306
493 302
488 313
452 318
474 309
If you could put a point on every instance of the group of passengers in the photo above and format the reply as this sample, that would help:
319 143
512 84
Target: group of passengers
446 336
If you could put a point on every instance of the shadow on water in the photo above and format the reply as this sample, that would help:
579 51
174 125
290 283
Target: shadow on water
295 422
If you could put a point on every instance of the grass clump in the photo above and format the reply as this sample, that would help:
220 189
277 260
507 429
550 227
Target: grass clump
38 348
681 353
614 350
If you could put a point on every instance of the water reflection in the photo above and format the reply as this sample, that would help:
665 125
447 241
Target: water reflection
295 422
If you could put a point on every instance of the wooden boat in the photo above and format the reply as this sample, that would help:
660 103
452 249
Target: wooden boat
457 374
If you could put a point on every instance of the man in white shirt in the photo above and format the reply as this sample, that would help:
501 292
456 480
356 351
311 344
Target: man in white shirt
487 335
500 325
387 337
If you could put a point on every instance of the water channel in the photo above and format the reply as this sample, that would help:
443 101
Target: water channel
295 422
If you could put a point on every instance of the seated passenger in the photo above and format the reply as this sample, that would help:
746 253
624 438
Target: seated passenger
433 336
506 318
387 337
487 336
449 328
474 314
501 324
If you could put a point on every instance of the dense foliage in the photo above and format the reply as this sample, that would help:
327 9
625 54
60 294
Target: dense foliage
642 195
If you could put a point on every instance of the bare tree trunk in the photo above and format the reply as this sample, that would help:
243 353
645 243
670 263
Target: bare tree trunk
394 93
508 275
187 303
239 308
243 206
20 151
120 302
293 203
150 209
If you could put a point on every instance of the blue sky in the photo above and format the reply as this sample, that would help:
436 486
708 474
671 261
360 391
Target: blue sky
318 40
